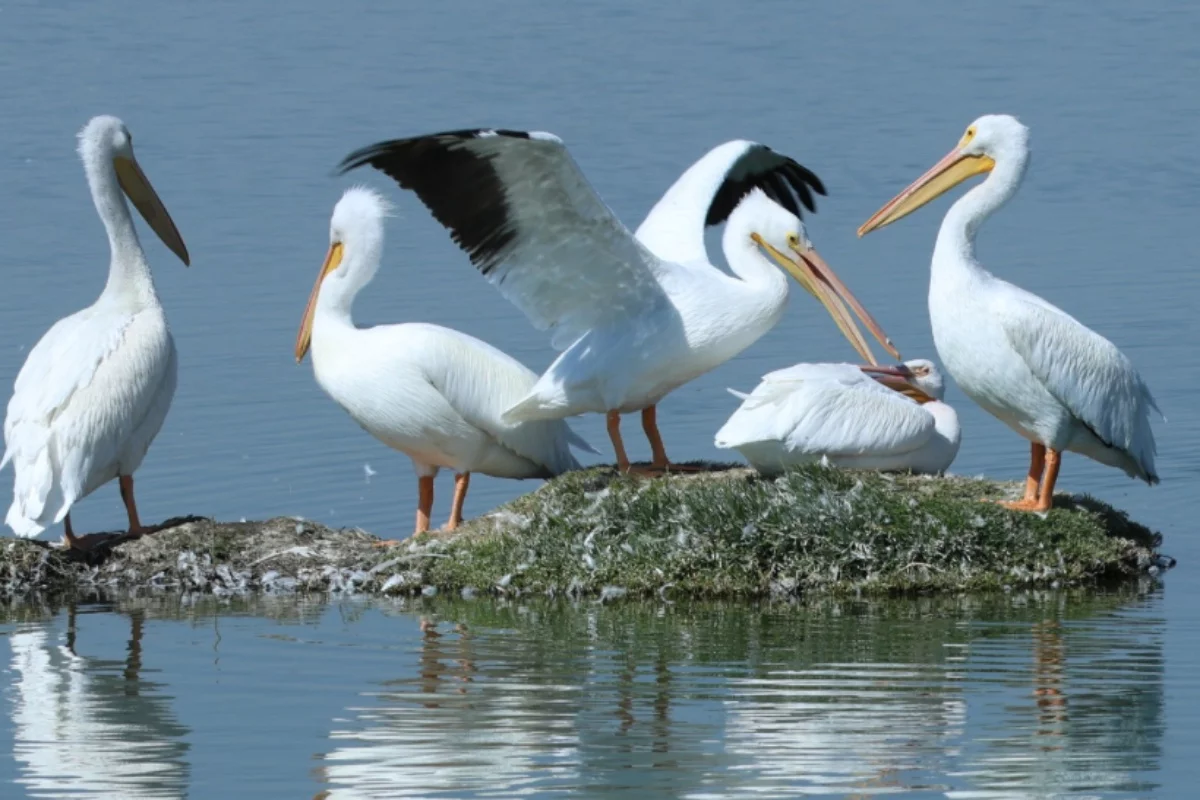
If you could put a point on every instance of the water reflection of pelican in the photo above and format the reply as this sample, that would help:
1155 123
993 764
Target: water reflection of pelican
842 727
1088 712
961 697
440 730
89 726
1049 664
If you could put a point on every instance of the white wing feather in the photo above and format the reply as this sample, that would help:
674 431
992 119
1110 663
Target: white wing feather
82 392
830 409
480 381
1084 371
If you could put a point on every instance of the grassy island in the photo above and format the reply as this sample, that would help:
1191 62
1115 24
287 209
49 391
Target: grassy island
726 532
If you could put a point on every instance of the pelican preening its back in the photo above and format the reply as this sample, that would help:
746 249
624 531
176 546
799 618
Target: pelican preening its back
635 317
432 393
1047 376
95 389
864 417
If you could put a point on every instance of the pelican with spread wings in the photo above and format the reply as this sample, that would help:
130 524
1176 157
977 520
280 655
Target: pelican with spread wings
634 316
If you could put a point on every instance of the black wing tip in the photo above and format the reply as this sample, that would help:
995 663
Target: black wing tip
799 172
801 177
456 182
814 182
784 179
364 156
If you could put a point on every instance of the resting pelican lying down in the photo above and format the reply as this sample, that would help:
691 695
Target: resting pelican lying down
433 393
868 417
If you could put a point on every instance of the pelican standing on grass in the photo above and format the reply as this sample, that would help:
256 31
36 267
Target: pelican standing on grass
435 394
635 317
862 417
95 389
1057 383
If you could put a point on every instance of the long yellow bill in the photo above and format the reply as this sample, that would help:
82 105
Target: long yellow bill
897 379
952 170
137 188
304 338
811 272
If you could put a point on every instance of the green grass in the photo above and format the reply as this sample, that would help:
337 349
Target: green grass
725 533
811 530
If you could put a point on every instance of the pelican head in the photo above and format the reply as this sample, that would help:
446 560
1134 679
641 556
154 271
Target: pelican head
781 234
919 379
990 139
355 250
105 140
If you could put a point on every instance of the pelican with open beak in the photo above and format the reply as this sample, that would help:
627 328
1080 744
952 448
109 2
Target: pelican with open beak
819 280
911 380
1057 383
95 389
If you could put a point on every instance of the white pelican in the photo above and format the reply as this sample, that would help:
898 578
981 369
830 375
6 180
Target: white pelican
895 420
95 389
432 393
635 317
83 726
1057 383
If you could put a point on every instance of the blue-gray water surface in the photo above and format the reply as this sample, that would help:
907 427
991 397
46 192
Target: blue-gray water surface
240 112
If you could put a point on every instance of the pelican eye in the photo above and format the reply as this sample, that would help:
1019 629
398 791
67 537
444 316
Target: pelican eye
793 240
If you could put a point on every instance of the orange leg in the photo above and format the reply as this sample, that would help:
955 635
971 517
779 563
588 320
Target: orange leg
1043 497
614 433
424 507
126 484
424 502
650 426
659 452
461 482
1046 496
1037 465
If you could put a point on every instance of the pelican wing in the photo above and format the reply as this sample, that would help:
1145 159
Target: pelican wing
829 409
706 194
82 391
519 206
480 381
1084 371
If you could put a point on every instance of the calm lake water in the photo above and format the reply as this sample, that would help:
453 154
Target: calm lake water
1027 695
241 110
